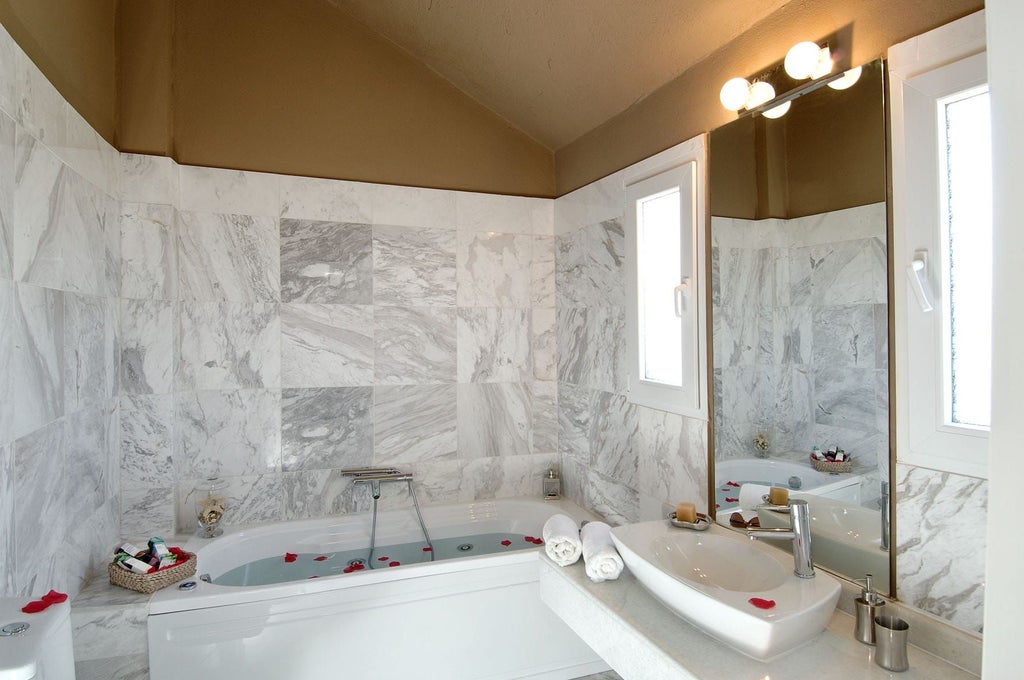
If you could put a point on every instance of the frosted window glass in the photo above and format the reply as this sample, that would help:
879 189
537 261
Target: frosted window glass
659 271
969 266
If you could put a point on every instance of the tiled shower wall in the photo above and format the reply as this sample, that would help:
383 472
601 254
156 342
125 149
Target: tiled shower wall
59 281
279 329
619 459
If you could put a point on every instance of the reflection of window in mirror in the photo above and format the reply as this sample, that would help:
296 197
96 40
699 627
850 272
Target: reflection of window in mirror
664 251
942 208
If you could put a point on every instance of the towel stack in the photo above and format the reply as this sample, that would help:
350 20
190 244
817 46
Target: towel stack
565 544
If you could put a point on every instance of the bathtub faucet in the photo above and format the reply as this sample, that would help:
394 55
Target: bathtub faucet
374 476
799 532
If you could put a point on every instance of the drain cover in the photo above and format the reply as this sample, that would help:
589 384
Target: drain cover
356 561
466 546
16 628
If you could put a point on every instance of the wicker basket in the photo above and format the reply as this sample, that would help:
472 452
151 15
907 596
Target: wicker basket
150 583
832 467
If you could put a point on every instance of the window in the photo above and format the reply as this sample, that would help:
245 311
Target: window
942 239
665 264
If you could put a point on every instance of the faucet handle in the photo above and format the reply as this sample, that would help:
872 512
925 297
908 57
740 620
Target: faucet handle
769 506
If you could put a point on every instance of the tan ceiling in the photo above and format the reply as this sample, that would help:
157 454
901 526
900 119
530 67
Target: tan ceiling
557 69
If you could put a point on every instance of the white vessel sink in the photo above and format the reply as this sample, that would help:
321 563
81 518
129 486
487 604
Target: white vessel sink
710 577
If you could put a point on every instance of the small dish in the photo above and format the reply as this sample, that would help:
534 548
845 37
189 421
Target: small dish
703 522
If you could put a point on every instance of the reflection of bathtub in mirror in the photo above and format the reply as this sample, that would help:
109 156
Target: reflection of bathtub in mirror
774 472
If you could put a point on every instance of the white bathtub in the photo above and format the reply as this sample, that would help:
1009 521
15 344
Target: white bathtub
476 617
844 487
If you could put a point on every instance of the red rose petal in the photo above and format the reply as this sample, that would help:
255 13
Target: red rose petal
717 505
290 557
761 603
731 500
348 570
35 606
427 549
383 559
506 543
733 484
53 597
394 564
358 567
537 541
321 558
528 539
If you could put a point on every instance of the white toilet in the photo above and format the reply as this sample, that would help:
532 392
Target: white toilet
40 651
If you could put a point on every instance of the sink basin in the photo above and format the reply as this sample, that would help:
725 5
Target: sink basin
709 578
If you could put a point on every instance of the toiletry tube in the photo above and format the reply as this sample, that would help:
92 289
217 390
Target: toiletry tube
158 548
132 564
131 549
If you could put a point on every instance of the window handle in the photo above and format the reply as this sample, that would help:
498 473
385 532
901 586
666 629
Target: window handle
917 272
681 291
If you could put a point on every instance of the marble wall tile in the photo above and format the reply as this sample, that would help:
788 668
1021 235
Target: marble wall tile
574 418
85 461
323 428
414 345
573 349
615 502
225 346
590 266
574 480
85 352
103 632
82 223
224 433
148 511
596 202
215 190
793 335
8 566
844 335
149 179
467 480
149 263
112 345
7 174
844 273
673 464
147 346
89 155
8 74
504 214
308 198
40 513
591 347
7 333
250 499
413 266
37 248
37 378
111 263
414 207
544 426
41 109
614 438
494 270
129 667
494 345
542 272
316 493
414 424
845 397
544 344
326 345
146 440
228 258
939 541
326 262
494 419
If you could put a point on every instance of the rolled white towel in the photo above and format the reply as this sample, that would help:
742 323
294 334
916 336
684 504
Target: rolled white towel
562 540
602 560
752 495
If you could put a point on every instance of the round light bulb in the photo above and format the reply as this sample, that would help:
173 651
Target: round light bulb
802 59
734 93
760 92
777 111
824 65
849 79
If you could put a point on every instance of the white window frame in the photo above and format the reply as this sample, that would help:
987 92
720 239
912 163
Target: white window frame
922 72
685 166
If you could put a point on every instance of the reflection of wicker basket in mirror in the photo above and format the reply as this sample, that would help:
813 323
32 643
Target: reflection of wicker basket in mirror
826 466
150 583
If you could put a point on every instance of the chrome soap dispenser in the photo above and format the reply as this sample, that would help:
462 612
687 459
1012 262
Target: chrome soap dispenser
868 606
551 488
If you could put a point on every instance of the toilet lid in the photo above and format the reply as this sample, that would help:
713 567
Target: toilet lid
21 647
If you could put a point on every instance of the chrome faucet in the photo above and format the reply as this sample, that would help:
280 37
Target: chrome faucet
799 532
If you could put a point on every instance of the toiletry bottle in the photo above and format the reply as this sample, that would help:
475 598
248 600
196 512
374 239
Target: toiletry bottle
551 489
868 605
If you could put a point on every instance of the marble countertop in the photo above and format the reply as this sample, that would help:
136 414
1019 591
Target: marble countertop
642 640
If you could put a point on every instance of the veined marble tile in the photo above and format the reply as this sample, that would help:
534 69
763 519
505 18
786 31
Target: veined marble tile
90 539
37 247
326 345
147 346
326 262
225 433
844 336
413 266
793 334
238 192
544 427
226 345
85 460
571 338
542 272
81 230
112 449
85 352
40 514
8 74
504 214
148 511
41 109
8 566
146 437
741 401
940 560
309 198
589 266
103 632
324 428
596 202
130 667
591 347
414 345
614 438
37 359
110 266
149 179
848 272
574 480
89 155
792 417
544 344
112 345
7 333
316 493
228 258
574 417
494 270
250 499
494 345
494 419
149 263
7 183
414 207
673 464
414 424
610 499
845 397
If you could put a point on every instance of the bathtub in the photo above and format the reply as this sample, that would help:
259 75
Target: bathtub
844 487
471 617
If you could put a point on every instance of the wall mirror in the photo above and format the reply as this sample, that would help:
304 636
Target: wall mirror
800 315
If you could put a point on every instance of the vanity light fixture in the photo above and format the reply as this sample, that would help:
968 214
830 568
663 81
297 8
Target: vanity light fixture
849 79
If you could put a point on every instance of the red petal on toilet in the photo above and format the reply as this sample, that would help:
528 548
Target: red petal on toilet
506 543
761 603
53 597
290 557
394 564
35 606
428 549
321 558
